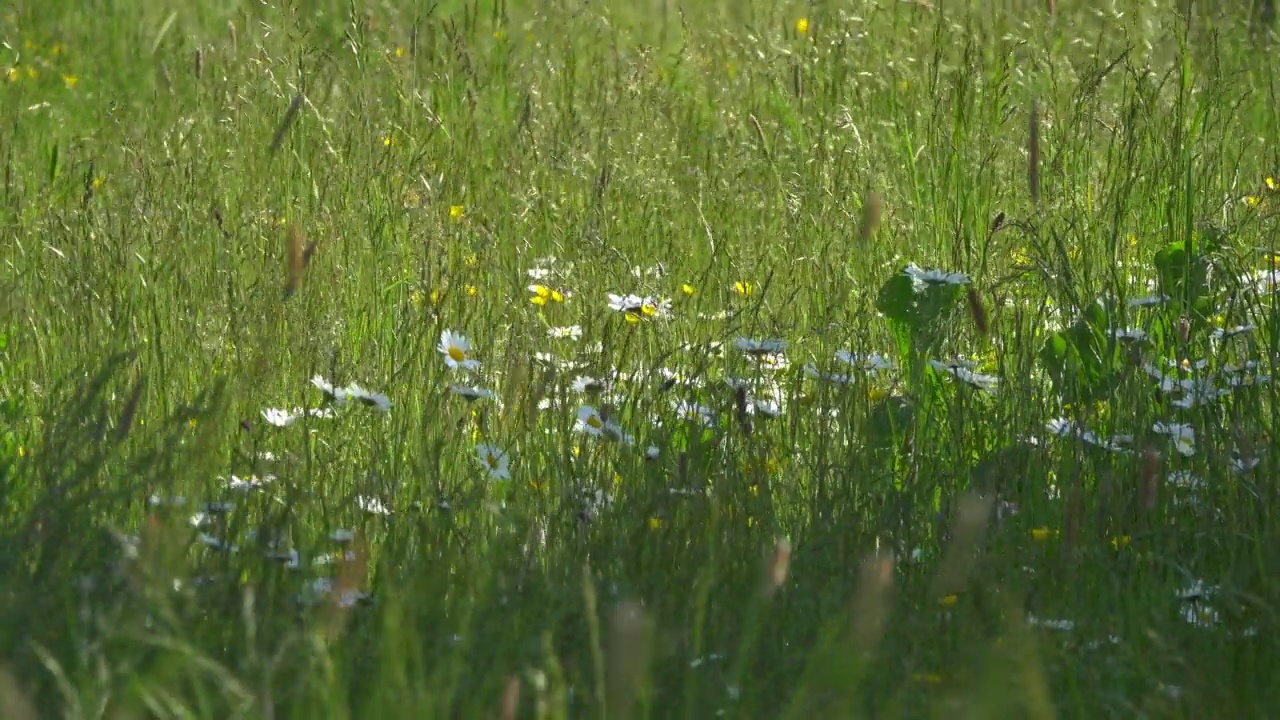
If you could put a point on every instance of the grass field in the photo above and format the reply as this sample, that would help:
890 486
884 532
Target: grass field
638 359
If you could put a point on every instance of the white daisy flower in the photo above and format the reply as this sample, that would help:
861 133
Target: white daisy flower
1185 480
693 412
253 482
840 378
957 370
1148 301
495 462
284 418
652 452
584 384
539 273
1200 615
776 362
1197 590
874 361
572 332
456 349
1129 335
336 394
639 306
656 271
1062 625
1228 333
766 407
1262 281
935 277
1184 436
368 397
761 347
469 392
1063 428
557 363
176 501
589 421
625 303
372 505
1244 464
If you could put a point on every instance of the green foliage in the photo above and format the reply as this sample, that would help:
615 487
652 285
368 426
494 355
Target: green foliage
190 528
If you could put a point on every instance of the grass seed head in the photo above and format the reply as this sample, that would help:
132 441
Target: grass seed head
872 209
978 312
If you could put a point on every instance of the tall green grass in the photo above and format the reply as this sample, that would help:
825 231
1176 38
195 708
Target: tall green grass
204 208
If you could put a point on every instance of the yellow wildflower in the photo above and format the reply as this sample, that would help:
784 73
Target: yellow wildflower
949 600
655 523
742 287
1040 534
1120 541
70 81
802 25
456 211
472 291
12 74
688 289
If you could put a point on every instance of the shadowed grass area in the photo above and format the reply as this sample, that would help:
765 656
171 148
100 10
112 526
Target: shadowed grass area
849 359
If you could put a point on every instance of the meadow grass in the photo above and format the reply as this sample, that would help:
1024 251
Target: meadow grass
588 360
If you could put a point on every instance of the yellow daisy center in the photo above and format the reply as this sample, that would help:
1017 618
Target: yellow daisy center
457 355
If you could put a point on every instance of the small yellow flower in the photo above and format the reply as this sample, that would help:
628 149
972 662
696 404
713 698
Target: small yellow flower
98 182
456 211
1272 184
655 523
70 81
500 35
876 394
1253 201
539 300
12 74
471 260
772 466
400 52
472 291
633 319
193 423
1040 534
22 451
435 297
31 73
1120 541
949 600
743 288
688 289
388 140
927 678
802 25
56 50
416 297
